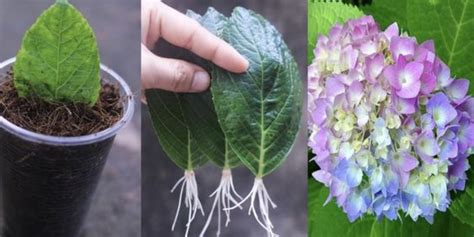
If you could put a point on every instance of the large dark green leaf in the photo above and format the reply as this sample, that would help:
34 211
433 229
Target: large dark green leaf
260 110
322 219
58 59
167 113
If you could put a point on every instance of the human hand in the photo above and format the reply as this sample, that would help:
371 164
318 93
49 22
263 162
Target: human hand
160 20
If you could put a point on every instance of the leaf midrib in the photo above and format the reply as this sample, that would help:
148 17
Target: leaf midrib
458 29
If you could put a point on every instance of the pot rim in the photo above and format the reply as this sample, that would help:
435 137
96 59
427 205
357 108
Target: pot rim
77 140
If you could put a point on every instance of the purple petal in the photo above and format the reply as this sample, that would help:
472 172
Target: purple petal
334 87
322 176
427 123
391 74
409 80
429 45
404 106
457 90
467 106
391 31
402 46
374 66
319 114
349 57
444 76
354 175
441 110
428 83
427 147
355 93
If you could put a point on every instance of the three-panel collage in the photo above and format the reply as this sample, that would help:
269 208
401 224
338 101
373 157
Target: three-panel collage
237 118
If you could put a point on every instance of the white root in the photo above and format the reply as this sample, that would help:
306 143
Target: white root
223 196
264 201
191 198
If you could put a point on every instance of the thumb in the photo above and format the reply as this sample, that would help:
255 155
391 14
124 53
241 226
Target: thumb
171 74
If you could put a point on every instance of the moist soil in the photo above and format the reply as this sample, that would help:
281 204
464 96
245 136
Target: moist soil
60 119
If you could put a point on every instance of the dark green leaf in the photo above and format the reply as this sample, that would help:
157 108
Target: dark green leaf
386 12
58 59
330 220
167 113
260 110
463 204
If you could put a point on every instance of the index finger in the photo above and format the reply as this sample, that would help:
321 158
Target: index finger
185 32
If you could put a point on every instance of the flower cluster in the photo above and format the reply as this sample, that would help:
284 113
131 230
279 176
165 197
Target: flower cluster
390 127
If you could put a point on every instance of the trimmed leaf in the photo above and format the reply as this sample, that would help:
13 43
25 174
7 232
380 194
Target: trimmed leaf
323 15
260 110
167 113
463 204
451 25
322 218
58 59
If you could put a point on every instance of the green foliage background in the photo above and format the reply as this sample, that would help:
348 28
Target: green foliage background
450 23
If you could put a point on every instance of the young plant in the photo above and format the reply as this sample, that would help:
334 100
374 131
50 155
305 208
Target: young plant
59 60
259 111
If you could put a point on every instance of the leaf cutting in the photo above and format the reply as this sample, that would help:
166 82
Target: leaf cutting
251 118
59 60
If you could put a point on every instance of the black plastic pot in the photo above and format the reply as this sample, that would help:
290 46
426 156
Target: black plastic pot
48 182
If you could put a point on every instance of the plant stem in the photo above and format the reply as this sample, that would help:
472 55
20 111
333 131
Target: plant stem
62 1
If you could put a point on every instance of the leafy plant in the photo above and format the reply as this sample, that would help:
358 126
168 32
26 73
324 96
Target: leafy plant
263 103
59 59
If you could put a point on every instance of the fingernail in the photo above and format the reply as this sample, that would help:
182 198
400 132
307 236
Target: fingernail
200 81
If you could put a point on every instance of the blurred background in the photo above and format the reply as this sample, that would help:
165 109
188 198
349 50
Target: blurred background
287 185
115 210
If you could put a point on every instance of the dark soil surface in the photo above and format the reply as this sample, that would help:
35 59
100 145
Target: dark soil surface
59 119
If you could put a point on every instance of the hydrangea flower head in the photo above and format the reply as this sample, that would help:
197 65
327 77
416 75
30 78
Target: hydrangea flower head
390 128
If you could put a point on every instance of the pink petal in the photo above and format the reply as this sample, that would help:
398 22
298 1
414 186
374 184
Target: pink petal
391 31
391 74
458 89
404 106
355 93
334 87
402 46
374 66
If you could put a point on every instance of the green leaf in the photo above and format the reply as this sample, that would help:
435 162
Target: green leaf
462 206
451 25
322 15
197 109
59 59
322 219
167 113
386 12
260 110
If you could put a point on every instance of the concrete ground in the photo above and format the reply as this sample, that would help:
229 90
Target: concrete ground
287 185
116 207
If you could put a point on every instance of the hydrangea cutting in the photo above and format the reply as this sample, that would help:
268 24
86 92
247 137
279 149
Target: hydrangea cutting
390 126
